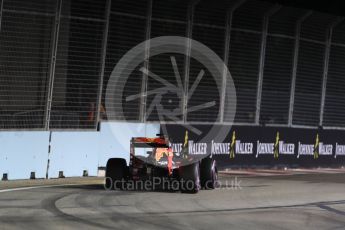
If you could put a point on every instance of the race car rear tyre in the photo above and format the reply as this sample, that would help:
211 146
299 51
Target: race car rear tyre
115 174
190 178
208 173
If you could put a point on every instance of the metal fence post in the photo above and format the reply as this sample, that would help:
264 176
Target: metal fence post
325 68
270 12
189 34
1 7
104 55
143 98
229 15
52 63
294 68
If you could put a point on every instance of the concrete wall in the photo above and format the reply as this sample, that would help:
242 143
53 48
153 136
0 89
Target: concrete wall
72 152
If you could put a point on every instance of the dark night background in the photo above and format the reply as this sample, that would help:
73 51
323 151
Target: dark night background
332 7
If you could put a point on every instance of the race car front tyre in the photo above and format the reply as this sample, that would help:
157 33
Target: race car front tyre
208 173
190 178
115 174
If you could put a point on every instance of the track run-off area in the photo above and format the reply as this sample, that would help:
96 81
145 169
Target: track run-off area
257 199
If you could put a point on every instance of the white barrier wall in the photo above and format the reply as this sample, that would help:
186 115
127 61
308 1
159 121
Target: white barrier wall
72 152
23 152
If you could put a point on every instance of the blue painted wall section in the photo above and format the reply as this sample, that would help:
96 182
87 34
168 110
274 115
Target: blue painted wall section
72 152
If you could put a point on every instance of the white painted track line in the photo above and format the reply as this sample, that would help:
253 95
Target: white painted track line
35 187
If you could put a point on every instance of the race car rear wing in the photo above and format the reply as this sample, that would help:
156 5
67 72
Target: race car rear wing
144 142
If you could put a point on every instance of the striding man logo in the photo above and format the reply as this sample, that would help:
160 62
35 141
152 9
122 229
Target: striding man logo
316 147
185 146
232 145
276 147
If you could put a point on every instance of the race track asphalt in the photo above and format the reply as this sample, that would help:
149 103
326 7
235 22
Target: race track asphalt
303 201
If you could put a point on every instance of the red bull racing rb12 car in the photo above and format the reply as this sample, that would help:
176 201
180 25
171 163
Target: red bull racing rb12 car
153 162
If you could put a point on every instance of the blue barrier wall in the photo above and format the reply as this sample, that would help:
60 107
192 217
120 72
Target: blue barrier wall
72 152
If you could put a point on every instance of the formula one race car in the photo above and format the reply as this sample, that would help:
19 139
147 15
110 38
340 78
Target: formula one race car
161 167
